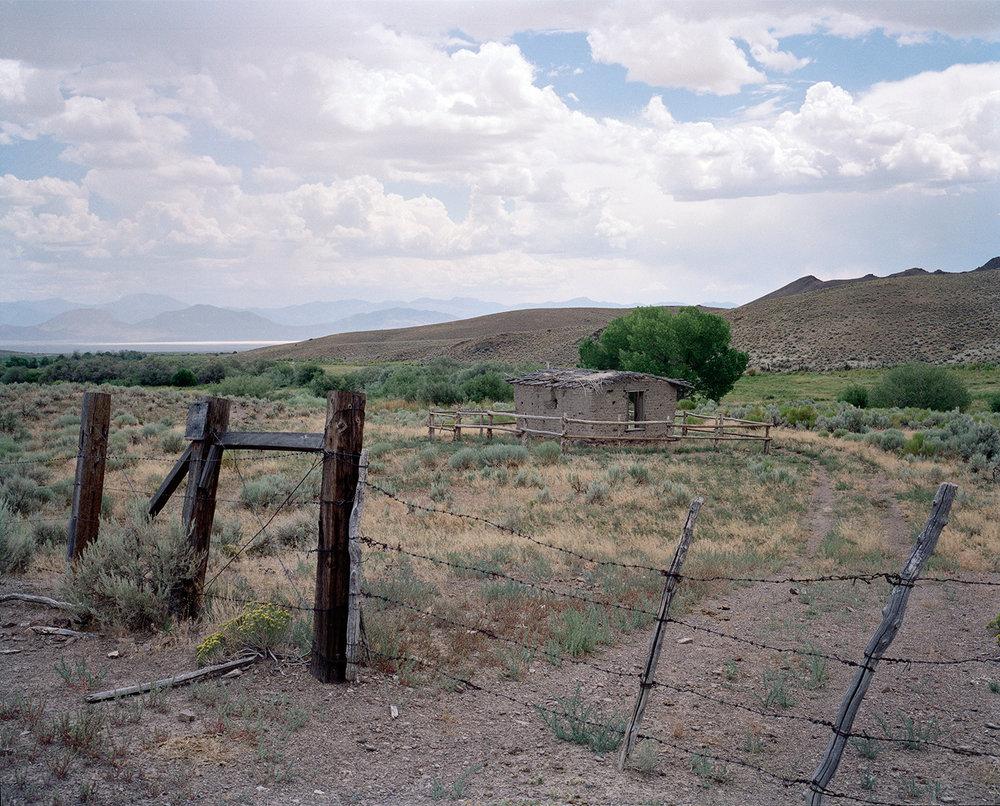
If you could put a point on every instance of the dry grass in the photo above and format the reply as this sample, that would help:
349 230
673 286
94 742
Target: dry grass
755 522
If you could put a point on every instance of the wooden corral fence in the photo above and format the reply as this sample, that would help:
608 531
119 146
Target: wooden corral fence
686 425
336 614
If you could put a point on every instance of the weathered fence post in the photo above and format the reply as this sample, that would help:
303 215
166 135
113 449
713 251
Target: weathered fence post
354 590
892 620
565 426
342 440
684 423
767 438
649 673
207 421
718 431
489 428
91 459
457 433
430 423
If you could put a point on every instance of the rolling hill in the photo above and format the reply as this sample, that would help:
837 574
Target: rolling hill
914 315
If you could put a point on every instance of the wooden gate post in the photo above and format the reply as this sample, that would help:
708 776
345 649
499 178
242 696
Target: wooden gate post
656 642
892 620
207 421
88 488
456 435
342 440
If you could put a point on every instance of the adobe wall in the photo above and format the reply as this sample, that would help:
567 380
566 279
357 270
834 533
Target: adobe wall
605 403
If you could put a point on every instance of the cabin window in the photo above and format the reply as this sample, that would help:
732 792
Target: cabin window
636 409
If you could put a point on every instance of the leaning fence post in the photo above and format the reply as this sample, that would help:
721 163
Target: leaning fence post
342 439
354 589
892 620
91 459
649 673
207 421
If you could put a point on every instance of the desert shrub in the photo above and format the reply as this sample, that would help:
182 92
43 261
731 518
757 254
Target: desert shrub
23 494
579 632
920 385
243 386
597 491
799 416
855 395
501 455
172 442
528 478
766 472
265 491
572 720
687 404
428 456
17 545
464 459
259 627
640 473
854 420
127 576
548 452
993 403
890 440
675 493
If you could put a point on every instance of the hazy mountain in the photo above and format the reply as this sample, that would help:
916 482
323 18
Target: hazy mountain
134 308
33 312
386 319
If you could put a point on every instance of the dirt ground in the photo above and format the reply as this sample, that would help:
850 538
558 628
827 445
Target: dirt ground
285 738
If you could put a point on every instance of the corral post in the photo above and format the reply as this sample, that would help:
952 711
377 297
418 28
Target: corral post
565 425
718 431
342 440
684 423
767 438
457 433
207 421
489 428
649 673
430 423
892 620
91 459
354 593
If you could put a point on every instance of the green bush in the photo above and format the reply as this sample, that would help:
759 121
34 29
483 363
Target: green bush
17 545
265 491
921 386
464 459
993 402
855 395
548 453
489 387
572 720
800 416
184 377
127 576
501 455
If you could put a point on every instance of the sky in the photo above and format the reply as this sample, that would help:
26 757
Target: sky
275 153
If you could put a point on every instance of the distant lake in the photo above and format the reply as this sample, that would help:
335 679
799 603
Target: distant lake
142 346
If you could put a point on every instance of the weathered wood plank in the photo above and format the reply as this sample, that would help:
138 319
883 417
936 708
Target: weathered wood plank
31 598
171 682
170 484
354 592
342 441
272 441
199 498
892 620
88 485
656 642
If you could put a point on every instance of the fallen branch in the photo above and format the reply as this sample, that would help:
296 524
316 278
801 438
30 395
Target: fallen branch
170 682
33 599
40 630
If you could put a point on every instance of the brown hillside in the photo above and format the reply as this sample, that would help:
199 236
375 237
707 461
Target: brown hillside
537 334
939 318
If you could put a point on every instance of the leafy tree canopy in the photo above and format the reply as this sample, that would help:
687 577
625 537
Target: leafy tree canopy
690 345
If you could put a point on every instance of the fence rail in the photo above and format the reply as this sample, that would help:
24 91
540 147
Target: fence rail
717 428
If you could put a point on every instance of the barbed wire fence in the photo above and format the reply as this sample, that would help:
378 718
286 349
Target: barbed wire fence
296 498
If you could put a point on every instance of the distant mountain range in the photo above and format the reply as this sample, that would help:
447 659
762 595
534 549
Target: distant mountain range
142 319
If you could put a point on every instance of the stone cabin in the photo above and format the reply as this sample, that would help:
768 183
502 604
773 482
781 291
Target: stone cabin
590 394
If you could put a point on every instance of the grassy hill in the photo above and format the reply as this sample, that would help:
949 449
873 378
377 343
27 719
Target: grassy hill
939 318
872 322
539 334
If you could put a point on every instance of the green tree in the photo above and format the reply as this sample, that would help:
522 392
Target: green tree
690 345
